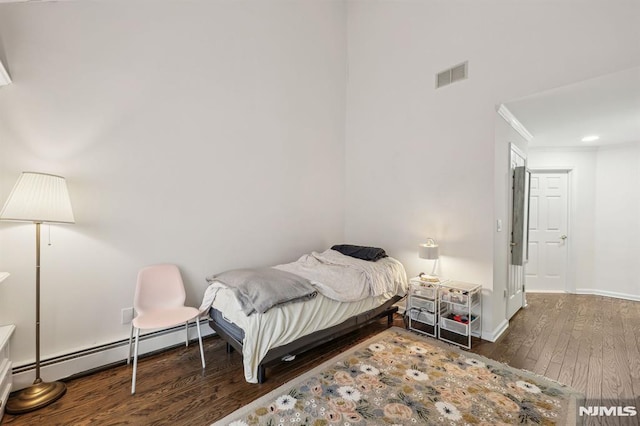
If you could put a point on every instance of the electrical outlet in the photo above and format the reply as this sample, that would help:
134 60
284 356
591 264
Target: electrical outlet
127 315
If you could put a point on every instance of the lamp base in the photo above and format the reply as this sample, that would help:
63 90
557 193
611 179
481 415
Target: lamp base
38 395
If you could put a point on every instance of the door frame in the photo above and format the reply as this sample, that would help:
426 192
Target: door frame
513 149
570 284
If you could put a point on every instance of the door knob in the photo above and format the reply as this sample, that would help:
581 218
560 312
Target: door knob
515 244
563 237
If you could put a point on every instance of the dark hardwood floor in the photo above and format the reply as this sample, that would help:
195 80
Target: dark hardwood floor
591 343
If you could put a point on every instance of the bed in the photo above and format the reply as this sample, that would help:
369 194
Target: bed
349 293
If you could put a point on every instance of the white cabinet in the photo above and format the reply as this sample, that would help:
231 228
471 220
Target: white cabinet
6 381
421 306
449 310
460 307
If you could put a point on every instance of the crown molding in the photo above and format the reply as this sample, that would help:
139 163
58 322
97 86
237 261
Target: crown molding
513 122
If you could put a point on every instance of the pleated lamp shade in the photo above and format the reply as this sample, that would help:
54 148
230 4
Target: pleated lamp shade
428 250
39 197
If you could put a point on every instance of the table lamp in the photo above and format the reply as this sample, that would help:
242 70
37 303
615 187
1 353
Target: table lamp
429 250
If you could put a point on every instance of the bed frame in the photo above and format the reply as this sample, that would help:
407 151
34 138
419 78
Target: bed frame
309 341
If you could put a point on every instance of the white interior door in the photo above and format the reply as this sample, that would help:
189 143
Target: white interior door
548 232
515 279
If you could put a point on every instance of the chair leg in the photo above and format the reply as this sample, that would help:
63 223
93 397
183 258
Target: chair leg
135 362
186 331
200 341
130 344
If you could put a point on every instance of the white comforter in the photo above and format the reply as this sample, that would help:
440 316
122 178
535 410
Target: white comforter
347 279
281 325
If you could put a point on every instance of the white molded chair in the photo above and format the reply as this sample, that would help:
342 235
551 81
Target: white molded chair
159 303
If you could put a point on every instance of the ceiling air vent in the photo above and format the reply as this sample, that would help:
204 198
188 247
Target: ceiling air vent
457 73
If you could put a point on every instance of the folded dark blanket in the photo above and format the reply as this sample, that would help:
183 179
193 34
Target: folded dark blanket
361 252
258 290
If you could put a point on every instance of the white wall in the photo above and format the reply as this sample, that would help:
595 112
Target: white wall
617 220
582 209
205 133
420 161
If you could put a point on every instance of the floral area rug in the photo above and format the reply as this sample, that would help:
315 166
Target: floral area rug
401 378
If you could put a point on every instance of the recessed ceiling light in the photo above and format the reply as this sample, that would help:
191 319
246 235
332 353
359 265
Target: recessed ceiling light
590 138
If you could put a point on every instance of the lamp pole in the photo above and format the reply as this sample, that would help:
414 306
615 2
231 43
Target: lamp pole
38 379
39 394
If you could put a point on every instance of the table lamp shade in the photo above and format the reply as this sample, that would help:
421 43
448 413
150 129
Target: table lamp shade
428 250
39 197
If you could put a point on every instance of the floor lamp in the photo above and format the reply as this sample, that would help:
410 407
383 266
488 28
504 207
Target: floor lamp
38 198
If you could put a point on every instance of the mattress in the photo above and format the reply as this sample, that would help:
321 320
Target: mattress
261 332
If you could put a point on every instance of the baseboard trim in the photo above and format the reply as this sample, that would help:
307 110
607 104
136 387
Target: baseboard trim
595 292
78 363
605 293
497 332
